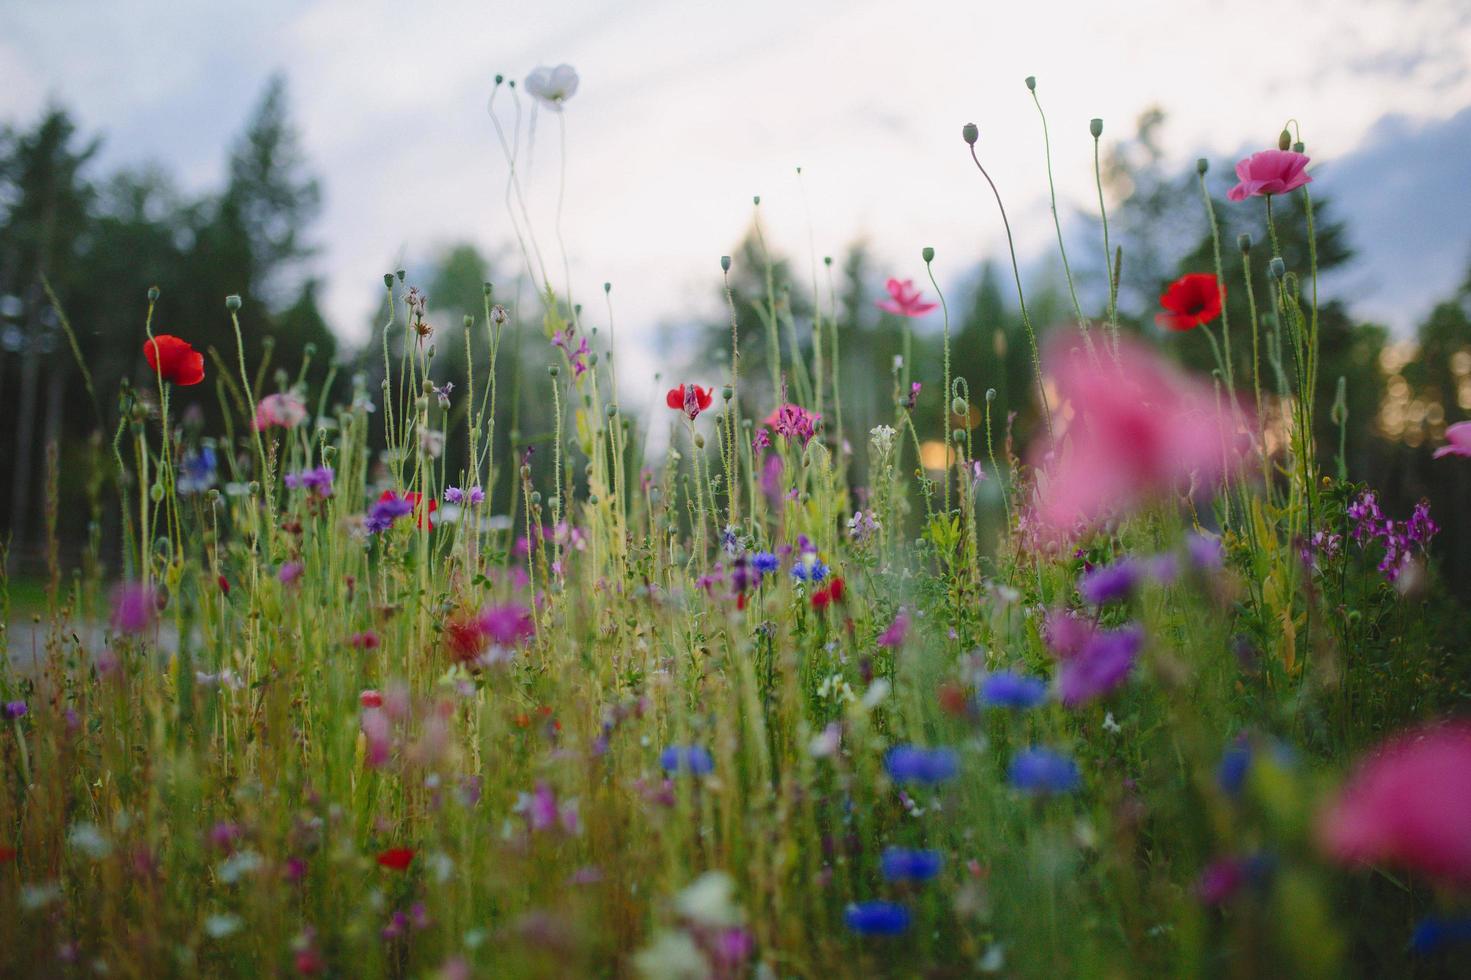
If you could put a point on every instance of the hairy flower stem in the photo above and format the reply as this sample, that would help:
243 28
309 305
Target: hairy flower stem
945 400
1113 283
1020 297
1061 248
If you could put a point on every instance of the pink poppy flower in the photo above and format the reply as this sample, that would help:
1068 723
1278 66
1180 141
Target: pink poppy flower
1141 429
1269 172
1408 804
1457 441
282 409
904 299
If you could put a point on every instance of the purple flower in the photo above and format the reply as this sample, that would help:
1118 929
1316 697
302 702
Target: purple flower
1109 582
897 630
385 511
911 763
15 709
318 480
1042 771
453 495
1220 880
1204 550
475 495
133 607
904 864
506 625
765 562
877 918
1101 666
288 573
1004 689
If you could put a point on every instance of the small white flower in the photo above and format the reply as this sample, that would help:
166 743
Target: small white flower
86 838
220 926
1109 725
710 901
553 86
882 437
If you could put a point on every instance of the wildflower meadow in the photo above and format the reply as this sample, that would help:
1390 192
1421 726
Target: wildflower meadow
471 657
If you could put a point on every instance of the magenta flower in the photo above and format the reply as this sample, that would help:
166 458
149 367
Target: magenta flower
794 422
904 299
133 607
1408 804
897 631
1269 172
506 625
1457 441
1100 667
1146 429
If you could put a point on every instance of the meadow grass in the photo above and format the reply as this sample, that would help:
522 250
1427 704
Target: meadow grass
701 713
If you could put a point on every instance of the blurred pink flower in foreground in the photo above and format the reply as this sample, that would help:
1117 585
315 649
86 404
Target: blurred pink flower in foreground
133 607
1269 172
1408 804
904 299
1140 429
281 409
1457 441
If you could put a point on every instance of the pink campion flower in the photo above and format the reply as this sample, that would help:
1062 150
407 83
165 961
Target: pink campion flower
133 607
282 409
1408 804
894 635
1457 441
1269 172
1141 429
794 422
904 299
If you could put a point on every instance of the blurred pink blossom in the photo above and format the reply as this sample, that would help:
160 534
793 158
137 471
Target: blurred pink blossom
904 299
1140 429
1269 172
1408 804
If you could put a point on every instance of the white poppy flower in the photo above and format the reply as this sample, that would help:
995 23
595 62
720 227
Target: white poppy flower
553 85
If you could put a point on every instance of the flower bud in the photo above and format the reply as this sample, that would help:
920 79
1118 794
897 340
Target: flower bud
1284 140
699 441
427 387
487 288
499 79
155 492
400 273
469 321
252 488
525 471
1202 165
725 263
1277 268
990 394
1095 126
232 302
927 253
153 294
310 350
536 498
1298 147
388 280
553 370
727 393
970 133
1031 83
756 200
612 410
1243 242
958 406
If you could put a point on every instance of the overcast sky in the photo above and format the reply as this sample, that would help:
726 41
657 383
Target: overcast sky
688 109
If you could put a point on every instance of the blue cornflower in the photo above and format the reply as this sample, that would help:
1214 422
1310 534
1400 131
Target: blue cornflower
1432 933
694 759
385 511
15 709
197 471
905 864
765 562
318 479
911 763
809 568
877 918
1040 771
1005 689
1109 582
1231 773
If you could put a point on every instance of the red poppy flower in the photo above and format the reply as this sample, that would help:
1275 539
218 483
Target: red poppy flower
412 497
371 699
689 399
836 588
174 360
821 598
1191 300
7 854
396 858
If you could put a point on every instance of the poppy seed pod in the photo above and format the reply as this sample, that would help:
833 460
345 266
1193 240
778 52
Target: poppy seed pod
727 393
725 263
232 302
487 288
1095 126
153 294
1299 147
469 321
756 200
612 410
400 273
536 498
970 133
1277 267
388 280
553 370
1031 83
499 79
1243 242
1202 165
607 288
927 253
